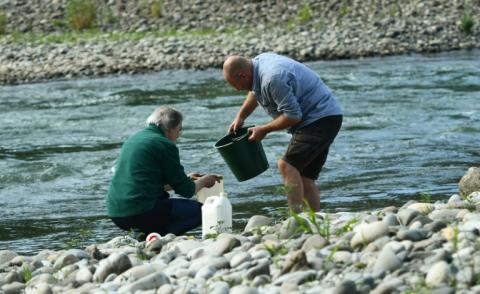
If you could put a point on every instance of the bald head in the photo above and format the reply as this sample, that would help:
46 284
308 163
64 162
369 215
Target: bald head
238 72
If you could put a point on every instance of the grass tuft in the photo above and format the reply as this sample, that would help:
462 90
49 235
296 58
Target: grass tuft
466 24
81 14
3 22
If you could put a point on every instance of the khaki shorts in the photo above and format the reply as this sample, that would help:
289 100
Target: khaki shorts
308 148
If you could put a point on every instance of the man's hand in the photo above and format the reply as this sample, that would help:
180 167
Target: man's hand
194 176
257 133
209 180
235 125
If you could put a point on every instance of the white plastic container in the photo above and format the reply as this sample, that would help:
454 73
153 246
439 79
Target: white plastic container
215 190
216 215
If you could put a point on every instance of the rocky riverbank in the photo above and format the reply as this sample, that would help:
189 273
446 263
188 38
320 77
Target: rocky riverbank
417 248
132 37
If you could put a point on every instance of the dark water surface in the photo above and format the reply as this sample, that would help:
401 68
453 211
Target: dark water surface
411 126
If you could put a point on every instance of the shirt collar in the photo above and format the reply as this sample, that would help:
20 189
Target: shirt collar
156 129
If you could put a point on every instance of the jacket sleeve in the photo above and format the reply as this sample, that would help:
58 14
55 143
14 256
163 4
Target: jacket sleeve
174 173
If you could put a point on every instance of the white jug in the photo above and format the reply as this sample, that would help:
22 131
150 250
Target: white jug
216 215
215 190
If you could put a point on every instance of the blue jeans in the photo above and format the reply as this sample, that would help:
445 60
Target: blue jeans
171 215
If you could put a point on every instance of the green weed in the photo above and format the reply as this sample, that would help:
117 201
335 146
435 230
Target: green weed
305 13
3 22
81 14
83 235
466 24
347 227
156 8
27 273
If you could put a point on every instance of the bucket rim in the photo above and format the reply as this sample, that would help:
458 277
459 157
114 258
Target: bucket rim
233 140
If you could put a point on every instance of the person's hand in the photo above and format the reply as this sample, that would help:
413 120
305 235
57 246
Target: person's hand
209 180
194 176
257 133
235 125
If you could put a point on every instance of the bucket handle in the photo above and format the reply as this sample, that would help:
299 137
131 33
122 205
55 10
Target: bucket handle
244 135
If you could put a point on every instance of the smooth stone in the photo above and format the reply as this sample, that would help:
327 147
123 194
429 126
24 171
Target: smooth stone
83 275
240 258
152 281
406 215
6 256
447 215
454 200
15 287
183 247
219 288
413 235
435 226
219 262
261 268
388 285
140 271
44 278
466 275
387 261
390 220
242 289
205 273
296 278
438 274
345 287
41 288
116 263
70 257
288 229
261 280
222 245
442 290
257 221
424 208
314 242
342 257
440 255
366 233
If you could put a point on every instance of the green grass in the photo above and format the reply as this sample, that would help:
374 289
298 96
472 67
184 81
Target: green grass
305 13
466 24
81 14
73 37
156 9
3 22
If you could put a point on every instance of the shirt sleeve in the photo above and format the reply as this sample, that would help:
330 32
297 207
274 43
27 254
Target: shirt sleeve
175 174
281 90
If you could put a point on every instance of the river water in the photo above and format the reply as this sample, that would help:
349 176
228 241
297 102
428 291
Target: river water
411 129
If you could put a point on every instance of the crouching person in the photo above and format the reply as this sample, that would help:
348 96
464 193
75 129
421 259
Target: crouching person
148 167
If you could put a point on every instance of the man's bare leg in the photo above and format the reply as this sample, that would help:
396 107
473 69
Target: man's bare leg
293 182
311 193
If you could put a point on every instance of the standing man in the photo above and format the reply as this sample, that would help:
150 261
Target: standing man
299 101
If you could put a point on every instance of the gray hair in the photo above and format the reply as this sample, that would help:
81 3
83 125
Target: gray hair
165 118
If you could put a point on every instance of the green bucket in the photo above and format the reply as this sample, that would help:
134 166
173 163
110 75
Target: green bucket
246 159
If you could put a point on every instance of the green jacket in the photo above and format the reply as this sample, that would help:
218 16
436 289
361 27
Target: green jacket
148 161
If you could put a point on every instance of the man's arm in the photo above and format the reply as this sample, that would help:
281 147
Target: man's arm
247 108
280 123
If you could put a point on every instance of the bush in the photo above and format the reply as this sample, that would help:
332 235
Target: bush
81 14
156 8
466 24
305 13
3 22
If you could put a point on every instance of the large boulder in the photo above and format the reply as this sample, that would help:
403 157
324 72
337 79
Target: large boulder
470 182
